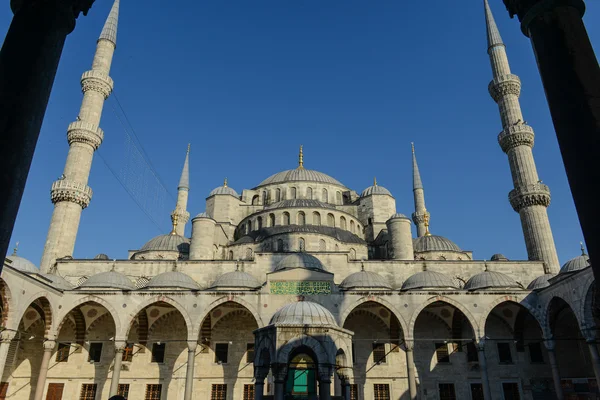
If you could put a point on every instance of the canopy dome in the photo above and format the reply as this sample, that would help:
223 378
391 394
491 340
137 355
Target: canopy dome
300 260
22 264
58 281
490 280
237 280
303 313
168 242
365 279
434 243
540 282
300 174
172 280
575 264
109 279
428 280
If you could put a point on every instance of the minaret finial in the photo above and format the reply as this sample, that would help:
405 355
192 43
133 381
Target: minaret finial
188 149
109 31
174 219
426 222
493 35
15 249
225 182
580 243
184 181
301 158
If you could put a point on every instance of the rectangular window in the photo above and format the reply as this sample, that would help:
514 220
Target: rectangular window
511 391
353 353
250 353
158 352
95 352
123 390
535 353
472 355
248 392
382 391
62 353
441 352
218 392
476 391
128 352
221 350
3 390
447 391
153 392
88 391
504 354
55 391
379 353
354 391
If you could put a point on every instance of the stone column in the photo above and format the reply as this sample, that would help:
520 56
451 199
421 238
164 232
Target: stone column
595 358
279 375
260 373
189 373
114 382
485 381
324 387
41 382
346 389
410 368
6 338
550 345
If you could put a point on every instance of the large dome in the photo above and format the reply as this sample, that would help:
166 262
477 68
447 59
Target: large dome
237 280
168 243
434 243
303 313
300 260
22 264
428 280
109 279
300 174
365 280
491 280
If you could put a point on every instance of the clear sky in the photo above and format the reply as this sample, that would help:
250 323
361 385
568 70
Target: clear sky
353 81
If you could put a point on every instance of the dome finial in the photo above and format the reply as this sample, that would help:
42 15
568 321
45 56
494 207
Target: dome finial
426 222
225 182
114 264
174 219
15 249
174 265
580 243
362 265
374 181
301 158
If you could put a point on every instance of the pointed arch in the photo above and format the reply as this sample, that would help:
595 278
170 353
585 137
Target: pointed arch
348 310
90 299
320 350
510 299
225 299
590 325
472 321
551 309
124 333
7 303
50 314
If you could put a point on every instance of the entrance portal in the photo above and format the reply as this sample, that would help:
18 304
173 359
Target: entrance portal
301 380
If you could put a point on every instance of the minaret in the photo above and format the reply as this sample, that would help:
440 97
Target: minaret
421 215
70 193
530 197
180 215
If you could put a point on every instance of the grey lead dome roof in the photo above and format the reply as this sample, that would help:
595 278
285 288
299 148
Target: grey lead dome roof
109 279
398 215
434 243
236 279
300 260
224 190
428 280
305 203
375 189
540 282
365 279
22 264
303 313
300 174
168 243
58 281
575 264
490 280
172 279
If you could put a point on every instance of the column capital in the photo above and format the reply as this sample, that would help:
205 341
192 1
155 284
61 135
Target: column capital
7 335
409 345
49 345
550 344
192 345
279 371
120 345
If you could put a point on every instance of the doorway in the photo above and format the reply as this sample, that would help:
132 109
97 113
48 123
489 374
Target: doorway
302 378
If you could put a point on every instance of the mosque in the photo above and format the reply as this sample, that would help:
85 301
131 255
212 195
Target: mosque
299 288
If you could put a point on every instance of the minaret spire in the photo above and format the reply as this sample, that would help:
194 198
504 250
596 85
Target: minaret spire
421 215
530 197
70 193
180 215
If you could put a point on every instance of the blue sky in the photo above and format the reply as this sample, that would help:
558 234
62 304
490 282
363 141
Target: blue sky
353 81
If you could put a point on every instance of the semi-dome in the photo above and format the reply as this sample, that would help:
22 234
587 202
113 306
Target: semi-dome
434 243
236 280
428 280
172 280
540 282
109 279
303 313
300 260
375 189
491 280
58 281
365 280
169 242
101 256
575 264
300 174
22 264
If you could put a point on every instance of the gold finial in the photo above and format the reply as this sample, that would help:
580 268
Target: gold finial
362 265
580 243
188 149
412 145
426 222
225 182
174 219
375 181
301 158
15 249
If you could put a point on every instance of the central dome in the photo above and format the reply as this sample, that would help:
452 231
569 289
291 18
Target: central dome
300 174
303 313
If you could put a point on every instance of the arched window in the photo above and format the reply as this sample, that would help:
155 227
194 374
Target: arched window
279 247
352 254
301 244
265 198
255 200
301 218
352 226
343 223
230 255
322 245
278 195
330 219
309 193
316 218
271 219
338 197
258 223
358 229
249 227
248 253
293 193
286 218
324 197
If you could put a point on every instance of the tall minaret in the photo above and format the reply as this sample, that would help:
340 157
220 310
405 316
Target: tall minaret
421 215
70 193
530 197
180 214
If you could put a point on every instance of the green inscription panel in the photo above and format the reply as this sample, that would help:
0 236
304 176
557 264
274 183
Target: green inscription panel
301 287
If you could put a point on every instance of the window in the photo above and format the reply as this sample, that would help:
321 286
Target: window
221 350
88 391
153 392
369 221
259 223
535 353
123 390
293 193
250 353
255 200
353 353
301 244
4 389
248 392
230 255
354 391
322 245
218 392
248 254
511 391
301 218
476 391
278 195
352 254
330 220
472 355
379 353
280 245
447 391
286 218
381 391
352 226
338 197
55 391
441 351
128 352
62 354
309 193
95 352
324 197
316 218
343 223
271 219
158 352
504 355
265 198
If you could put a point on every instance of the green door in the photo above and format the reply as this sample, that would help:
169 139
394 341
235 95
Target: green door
301 380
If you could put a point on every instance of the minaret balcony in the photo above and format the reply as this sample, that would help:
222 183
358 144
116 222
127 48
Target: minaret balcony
536 194
516 135
75 192
85 132
98 82
504 85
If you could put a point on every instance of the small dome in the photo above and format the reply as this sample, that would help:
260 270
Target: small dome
58 281
428 280
22 264
172 280
300 260
224 190
303 313
434 243
299 174
398 216
203 215
236 279
491 280
168 243
109 279
540 282
499 257
101 256
365 279
575 264
375 189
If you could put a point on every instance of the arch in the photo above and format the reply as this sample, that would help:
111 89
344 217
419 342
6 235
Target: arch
286 218
293 193
301 244
259 223
343 223
472 321
352 254
325 196
301 218
322 245
49 311
280 245
255 200
383 302
352 226
509 299
100 320
309 193
265 197
92 299
7 303
590 325
550 309
338 197
316 218
157 299
230 255
278 194
318 348
330 220
271 219
225 299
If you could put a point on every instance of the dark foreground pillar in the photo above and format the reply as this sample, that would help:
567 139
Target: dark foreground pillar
28 61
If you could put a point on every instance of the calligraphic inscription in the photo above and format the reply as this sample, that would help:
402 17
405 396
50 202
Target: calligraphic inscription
300 287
